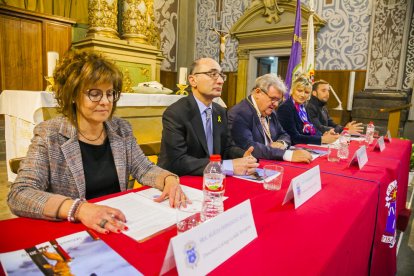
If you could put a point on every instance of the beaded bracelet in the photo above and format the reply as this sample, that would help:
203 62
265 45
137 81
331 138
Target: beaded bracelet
72 210
75 216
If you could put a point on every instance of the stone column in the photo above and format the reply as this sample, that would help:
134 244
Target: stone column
138 22
243 67
102 17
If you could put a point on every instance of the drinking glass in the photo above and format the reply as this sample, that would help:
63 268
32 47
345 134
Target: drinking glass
188 214
333 153
272 175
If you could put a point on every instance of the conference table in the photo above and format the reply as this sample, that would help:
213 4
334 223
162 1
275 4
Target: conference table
382 169
334 233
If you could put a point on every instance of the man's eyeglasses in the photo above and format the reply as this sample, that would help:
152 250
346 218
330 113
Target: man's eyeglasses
95 95
213 74
272 99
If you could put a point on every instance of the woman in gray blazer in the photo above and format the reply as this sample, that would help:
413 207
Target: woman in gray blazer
86 153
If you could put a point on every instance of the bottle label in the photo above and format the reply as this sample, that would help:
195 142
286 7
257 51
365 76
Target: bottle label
213 183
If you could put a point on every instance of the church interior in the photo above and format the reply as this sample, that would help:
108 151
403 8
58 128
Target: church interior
363 48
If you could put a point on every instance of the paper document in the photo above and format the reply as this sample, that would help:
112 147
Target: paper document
257 177
325 145
144 216
315 153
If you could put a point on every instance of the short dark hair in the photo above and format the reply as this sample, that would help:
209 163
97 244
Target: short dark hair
77 70
194 66
317 83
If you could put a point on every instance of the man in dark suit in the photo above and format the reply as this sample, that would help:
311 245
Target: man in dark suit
253 122
318 112
195 127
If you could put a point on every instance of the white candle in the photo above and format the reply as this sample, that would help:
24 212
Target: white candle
52 59
311 5
182 77
351 86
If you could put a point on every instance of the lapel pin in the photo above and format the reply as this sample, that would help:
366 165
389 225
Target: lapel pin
219 119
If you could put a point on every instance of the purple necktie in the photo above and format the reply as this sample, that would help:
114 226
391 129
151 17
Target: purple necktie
209 131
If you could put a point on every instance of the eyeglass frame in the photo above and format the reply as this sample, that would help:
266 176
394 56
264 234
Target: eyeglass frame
272 99
116 95
213 74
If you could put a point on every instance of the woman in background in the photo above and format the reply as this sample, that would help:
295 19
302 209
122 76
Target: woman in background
86 153
294 119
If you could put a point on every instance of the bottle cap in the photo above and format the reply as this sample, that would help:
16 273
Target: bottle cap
215 157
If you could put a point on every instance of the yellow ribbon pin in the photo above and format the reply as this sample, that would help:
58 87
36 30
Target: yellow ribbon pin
219 119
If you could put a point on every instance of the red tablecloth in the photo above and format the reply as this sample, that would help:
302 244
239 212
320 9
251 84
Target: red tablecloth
382 168
330 234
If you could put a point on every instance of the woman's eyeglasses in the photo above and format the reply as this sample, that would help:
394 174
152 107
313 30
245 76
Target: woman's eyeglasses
95 95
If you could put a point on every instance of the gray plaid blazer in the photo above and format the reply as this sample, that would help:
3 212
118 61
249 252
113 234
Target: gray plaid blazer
52 170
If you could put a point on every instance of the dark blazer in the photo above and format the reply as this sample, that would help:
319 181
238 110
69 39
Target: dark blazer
246 130
319 116
184 146
291 122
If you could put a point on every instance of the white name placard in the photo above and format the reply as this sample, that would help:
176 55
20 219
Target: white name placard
360 157
304 186
380 145
201 249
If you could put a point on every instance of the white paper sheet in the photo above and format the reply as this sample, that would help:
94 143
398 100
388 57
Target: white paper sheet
144 216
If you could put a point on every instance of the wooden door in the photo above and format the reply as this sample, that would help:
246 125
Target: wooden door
21 54
282 66
31 55
25 39
10 55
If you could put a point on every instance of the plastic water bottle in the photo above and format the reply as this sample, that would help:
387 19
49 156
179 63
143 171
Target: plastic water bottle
213 188
369 135
344 140
347 135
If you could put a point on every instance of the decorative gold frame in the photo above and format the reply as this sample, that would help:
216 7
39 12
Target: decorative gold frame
254 32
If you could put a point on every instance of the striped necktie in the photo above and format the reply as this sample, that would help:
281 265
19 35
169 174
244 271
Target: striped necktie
209 131
266 130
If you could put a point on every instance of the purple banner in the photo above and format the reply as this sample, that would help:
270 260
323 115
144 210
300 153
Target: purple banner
295 60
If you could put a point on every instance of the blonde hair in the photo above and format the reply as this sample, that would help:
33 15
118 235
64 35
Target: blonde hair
301 82
75 72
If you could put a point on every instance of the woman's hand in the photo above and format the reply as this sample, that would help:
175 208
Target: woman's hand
172 190
102 219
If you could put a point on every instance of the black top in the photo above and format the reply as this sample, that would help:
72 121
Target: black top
100 173
319 116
